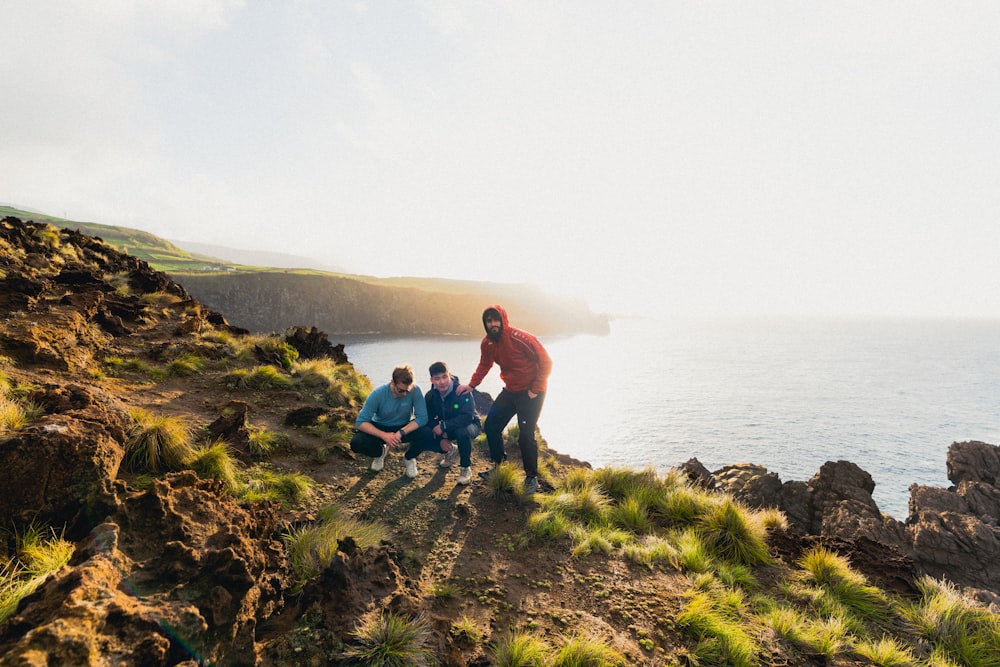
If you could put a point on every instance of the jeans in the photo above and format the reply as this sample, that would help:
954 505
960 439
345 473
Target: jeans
463 438
527 409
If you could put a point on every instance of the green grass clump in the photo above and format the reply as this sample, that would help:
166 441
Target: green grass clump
788 623
185 365
16 414
12 416
466 629
827 636
586 504
520 649
288 488
263 442
505 479
116 366
731 533
885 652
843 586
960 630
215 461
391 640
586 652
257 378
39 553
339 385
267 349
312 548
717 621
157 443
692 552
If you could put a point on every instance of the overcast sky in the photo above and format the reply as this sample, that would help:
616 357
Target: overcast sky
668 157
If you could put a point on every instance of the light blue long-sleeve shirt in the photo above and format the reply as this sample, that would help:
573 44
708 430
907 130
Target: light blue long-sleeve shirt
384 409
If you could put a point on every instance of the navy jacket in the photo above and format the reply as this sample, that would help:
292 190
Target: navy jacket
452 411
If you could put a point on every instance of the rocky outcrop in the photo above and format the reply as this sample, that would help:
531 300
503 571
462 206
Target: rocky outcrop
950 533
59 470
178 573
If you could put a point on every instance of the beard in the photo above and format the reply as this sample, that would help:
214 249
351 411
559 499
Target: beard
494 335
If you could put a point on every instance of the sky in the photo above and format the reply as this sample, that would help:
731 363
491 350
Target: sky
656 157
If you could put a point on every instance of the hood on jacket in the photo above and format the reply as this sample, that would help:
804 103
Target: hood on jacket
496 310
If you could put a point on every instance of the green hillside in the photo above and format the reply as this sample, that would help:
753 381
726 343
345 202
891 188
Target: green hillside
271 299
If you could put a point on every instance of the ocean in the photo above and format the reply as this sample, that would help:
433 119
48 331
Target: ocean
790 394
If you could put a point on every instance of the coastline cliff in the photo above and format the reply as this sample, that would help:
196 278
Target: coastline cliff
195 480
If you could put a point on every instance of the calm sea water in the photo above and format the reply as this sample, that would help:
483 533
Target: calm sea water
790 394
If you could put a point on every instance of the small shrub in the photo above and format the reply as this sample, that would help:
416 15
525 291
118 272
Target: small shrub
549 524
960 630
257 378
466 629
652 549
445 589
161 299
692 553
287 488
587 504
12 416
157 443
788 623
731 533
505 479
827 636
681 505
845 587
738 576
47 234
262 442
632 515
185 365
886 652
586 652
312 548
215 461
520 649
390 640
719 627
39 553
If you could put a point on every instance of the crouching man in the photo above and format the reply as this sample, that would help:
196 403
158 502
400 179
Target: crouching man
452 419
393 414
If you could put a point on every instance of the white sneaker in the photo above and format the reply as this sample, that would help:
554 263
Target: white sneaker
465 476
379 461
448 460
411 468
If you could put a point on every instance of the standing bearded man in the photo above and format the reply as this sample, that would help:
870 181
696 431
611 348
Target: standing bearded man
524 369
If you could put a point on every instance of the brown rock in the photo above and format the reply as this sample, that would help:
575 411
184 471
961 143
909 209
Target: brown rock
974 461
59 470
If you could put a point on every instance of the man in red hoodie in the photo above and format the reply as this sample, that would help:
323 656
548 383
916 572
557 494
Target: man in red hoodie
524 369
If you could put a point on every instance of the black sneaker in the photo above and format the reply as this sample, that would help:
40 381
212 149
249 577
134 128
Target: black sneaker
530 485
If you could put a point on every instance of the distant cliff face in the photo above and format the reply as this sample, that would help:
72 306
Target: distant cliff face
274 301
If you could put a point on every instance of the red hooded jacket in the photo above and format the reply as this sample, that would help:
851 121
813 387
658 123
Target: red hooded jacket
524 363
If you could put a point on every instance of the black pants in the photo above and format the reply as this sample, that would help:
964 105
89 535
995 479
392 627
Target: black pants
371 445
527 409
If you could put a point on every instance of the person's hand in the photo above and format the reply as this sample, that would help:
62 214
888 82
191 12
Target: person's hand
438 430
463 389
446 445
532 395
393 439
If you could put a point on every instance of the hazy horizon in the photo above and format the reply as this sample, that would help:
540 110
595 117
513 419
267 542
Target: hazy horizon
659 158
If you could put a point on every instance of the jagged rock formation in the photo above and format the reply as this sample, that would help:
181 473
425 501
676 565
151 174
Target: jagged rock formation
950 533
